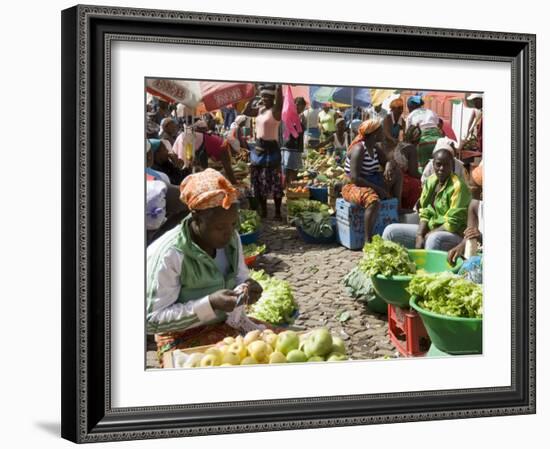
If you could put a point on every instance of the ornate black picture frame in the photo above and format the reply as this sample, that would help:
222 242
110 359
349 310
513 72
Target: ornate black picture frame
87 34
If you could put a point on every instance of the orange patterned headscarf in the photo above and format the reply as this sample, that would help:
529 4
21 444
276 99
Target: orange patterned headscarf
207 189
397 103
365 128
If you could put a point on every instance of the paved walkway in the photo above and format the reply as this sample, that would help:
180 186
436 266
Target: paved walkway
315 273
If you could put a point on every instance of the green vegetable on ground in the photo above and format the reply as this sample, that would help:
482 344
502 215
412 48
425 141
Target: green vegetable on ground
253 250
315 224
276 305
249 221
294 207
447 294
386 258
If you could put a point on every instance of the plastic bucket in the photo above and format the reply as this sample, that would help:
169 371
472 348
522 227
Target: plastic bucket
249 237
393 289
452 335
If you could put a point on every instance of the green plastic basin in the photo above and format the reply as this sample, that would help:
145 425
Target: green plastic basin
393 289
453 335
378 305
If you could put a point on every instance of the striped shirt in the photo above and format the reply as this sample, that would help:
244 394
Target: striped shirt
369 165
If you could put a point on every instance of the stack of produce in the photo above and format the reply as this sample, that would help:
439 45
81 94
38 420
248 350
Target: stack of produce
253 250
249 221
276 305
447 294
385 258
262 347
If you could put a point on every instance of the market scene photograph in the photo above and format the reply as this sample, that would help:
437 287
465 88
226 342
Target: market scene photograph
311 224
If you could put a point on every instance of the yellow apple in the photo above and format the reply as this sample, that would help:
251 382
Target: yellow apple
260 350
277 357
231 358
249 361
270 339
251 336
209 360
228 340
217 352
237 348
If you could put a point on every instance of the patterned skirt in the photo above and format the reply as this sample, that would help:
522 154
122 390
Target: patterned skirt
266 181
361 196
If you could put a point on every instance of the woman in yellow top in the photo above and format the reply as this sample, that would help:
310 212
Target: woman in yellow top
327 121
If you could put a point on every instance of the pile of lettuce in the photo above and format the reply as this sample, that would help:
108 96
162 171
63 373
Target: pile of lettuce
315 224
249 221
359 286
296 207
386 258
276 305
253 250
447 294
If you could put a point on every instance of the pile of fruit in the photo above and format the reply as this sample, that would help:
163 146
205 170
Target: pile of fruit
322 171
267 347
298 189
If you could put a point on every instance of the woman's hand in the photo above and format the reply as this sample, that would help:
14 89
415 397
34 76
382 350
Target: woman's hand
456 252
389 172
176 160
382 193
223 300
254 290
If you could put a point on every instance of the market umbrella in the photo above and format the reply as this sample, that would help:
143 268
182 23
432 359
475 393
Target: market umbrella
345 96
213 95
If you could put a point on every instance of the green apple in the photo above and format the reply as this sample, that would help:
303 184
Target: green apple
319 343
277 357
338 345
336 357
260 350
316 358
296 356
210 360
287 341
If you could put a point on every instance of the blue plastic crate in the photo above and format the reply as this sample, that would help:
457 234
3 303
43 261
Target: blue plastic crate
352 217
319 194
349 237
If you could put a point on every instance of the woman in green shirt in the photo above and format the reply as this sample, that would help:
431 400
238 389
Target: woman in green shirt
443 210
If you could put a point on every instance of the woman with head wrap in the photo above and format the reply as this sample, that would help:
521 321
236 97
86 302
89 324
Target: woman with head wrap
265 156
166 161
406 157
193 269
394 123
428 122
368 184
451 145
443 210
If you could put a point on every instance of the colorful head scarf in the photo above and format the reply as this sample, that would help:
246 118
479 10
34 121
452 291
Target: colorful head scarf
415 100
206 190
397 103
366 128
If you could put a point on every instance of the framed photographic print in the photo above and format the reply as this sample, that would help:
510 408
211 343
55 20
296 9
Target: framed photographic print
347 209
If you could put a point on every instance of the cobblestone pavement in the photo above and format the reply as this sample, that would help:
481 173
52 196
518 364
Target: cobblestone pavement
315 273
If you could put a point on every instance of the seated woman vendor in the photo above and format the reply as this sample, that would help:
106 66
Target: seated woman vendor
443 210
192 270
368 183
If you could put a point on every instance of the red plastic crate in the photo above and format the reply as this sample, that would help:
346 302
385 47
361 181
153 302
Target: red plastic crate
407 332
